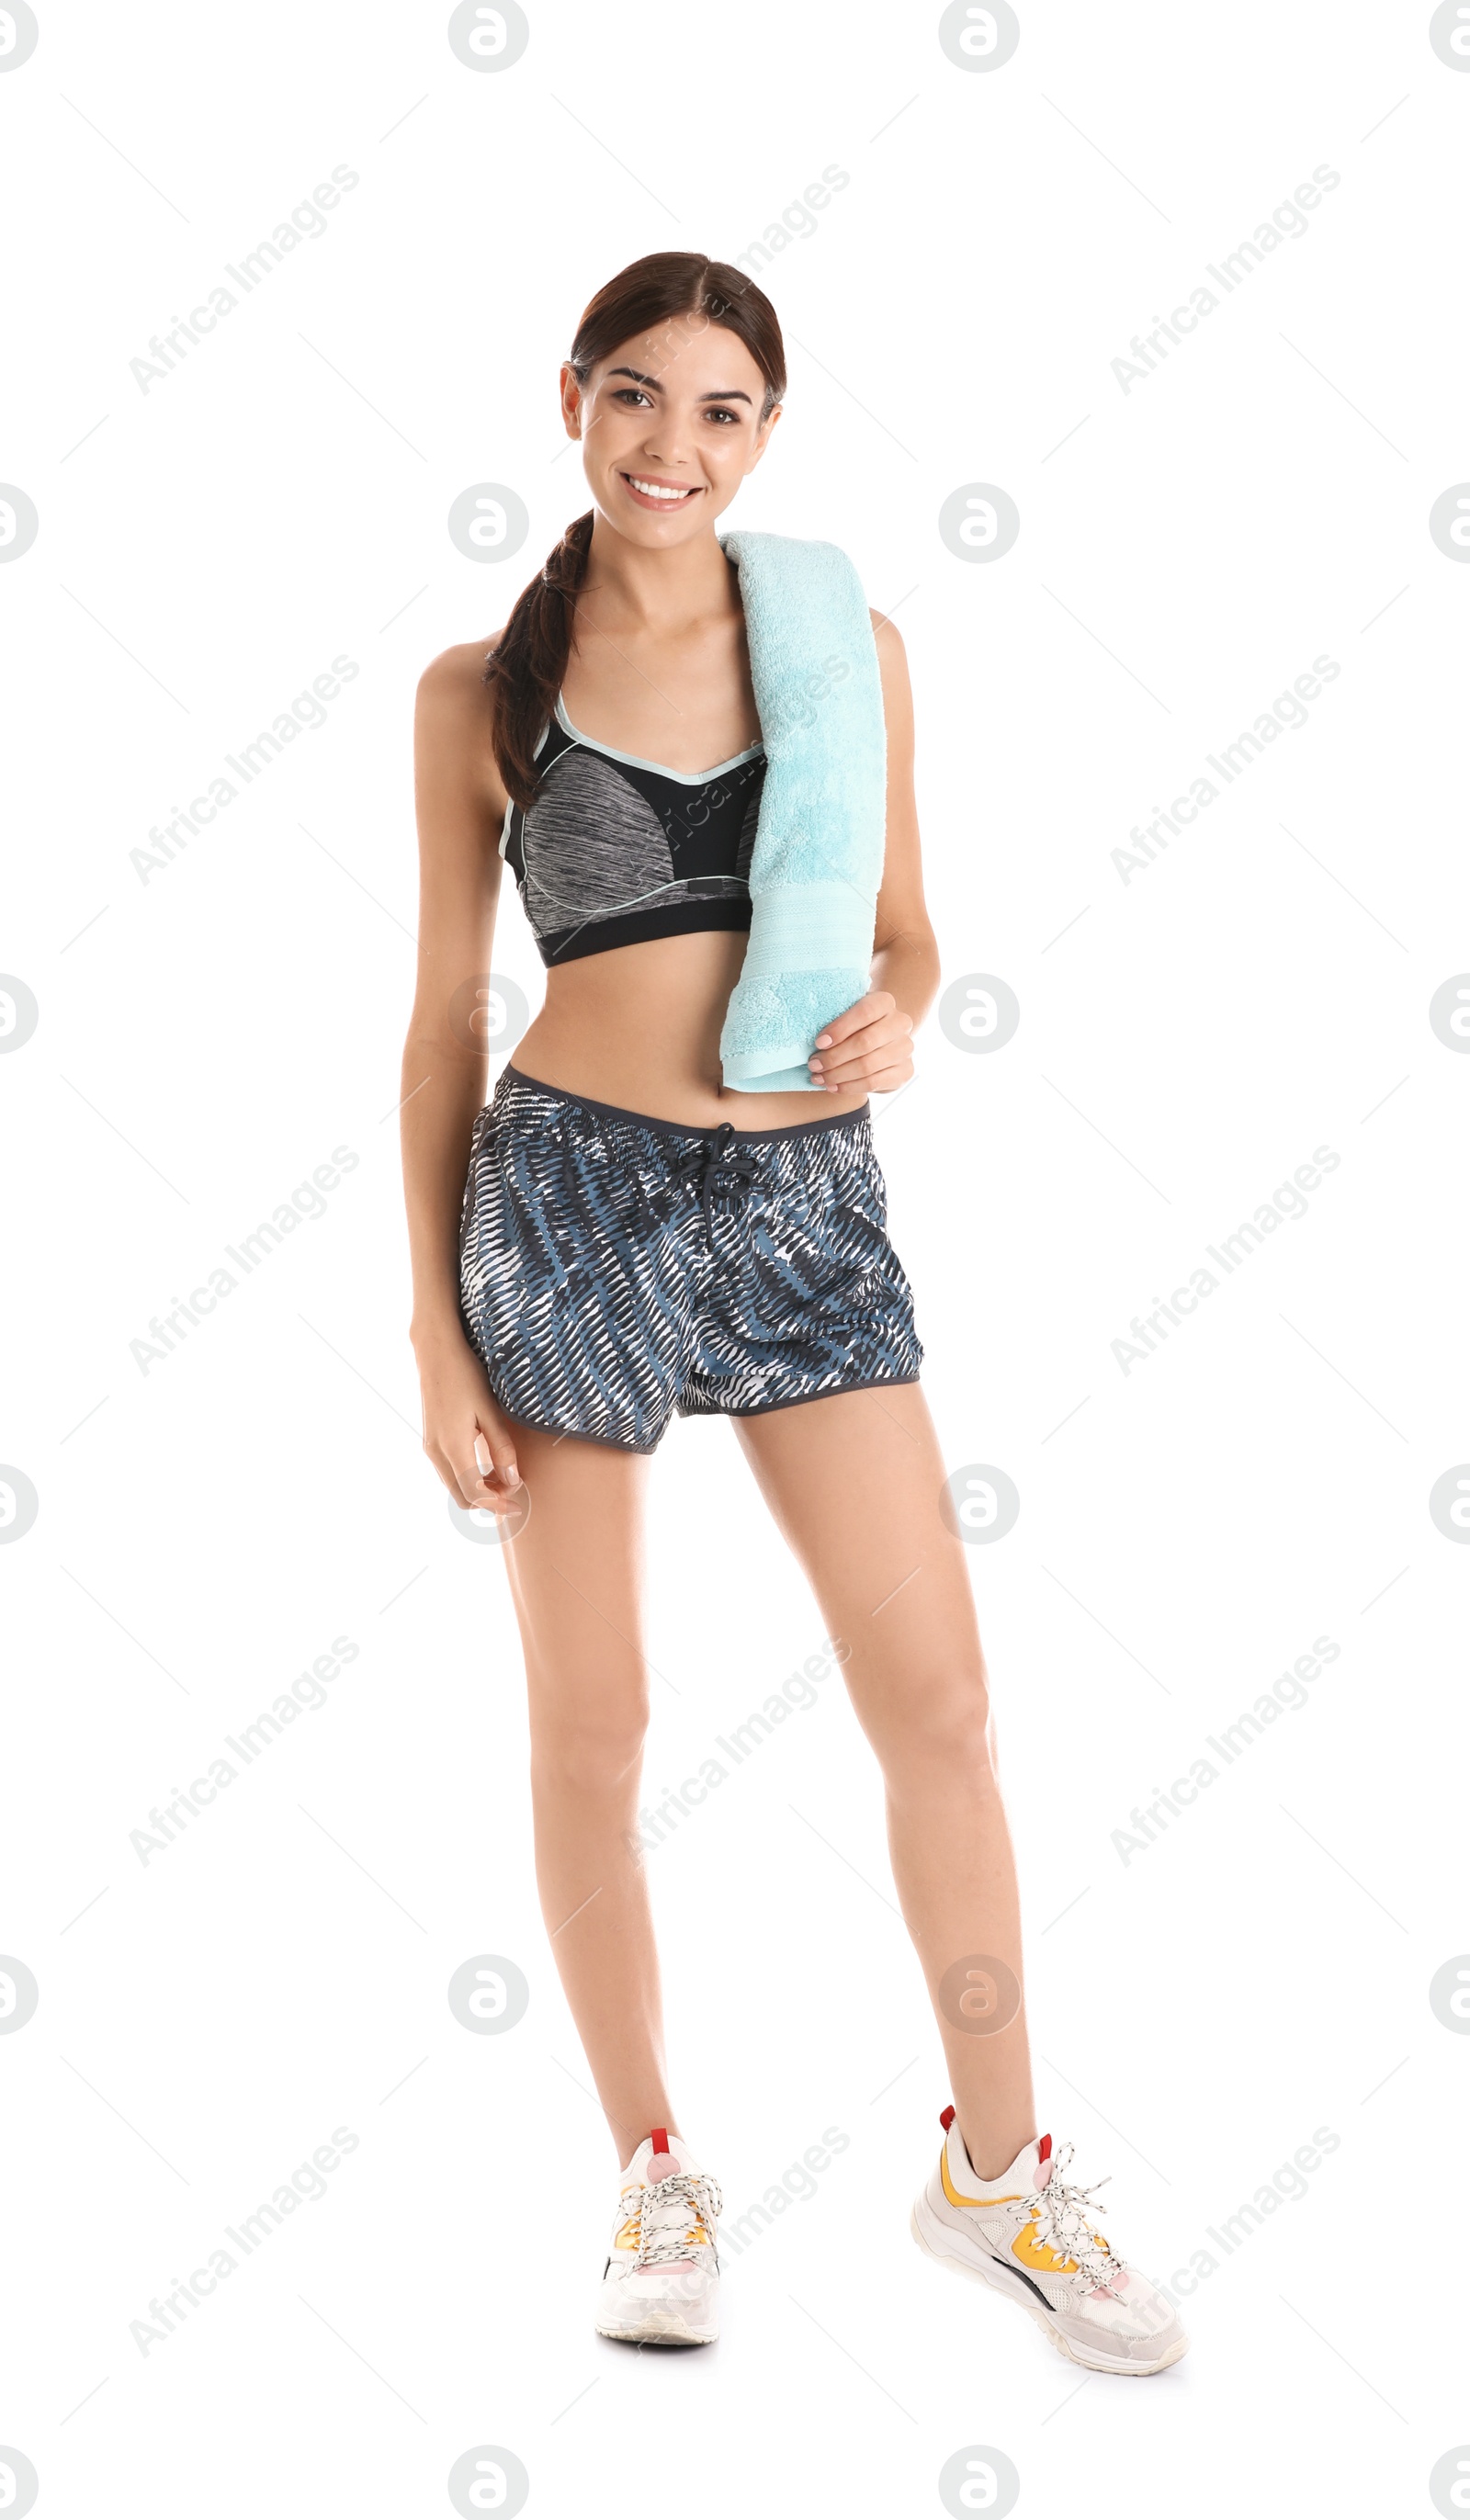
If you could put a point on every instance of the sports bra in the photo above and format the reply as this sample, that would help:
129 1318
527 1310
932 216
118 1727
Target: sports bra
616 849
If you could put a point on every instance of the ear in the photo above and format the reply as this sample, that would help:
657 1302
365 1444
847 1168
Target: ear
762 440
571 401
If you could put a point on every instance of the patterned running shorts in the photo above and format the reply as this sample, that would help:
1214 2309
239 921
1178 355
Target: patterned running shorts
614 1269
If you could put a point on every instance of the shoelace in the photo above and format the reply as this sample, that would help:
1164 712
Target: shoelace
1062 2223
720 1168
663 2211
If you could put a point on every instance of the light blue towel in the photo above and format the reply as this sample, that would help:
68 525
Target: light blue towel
818 845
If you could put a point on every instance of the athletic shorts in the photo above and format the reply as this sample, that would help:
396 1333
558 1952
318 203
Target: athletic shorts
614 1269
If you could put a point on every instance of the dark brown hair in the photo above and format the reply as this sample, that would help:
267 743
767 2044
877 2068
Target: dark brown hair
526 671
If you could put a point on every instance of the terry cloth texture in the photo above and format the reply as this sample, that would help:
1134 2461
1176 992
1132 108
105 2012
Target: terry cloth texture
614 1269
817 859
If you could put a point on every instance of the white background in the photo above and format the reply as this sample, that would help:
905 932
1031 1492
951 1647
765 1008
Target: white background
1187 1038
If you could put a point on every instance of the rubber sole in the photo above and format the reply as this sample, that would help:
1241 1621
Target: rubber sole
930 2241
657 2332
659 2324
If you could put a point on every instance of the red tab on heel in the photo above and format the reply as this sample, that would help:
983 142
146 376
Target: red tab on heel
946 2119
660 2138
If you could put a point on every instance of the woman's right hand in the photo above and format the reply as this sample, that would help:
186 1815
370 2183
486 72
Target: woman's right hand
459 1416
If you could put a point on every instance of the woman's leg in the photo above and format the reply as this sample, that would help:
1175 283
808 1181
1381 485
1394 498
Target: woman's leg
575 1572
854 1482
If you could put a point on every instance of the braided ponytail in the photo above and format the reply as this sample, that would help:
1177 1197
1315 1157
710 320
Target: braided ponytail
525 672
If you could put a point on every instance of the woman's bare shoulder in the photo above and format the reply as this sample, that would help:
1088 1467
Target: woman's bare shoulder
458 673
452 721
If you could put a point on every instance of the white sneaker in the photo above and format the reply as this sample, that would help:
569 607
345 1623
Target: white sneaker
1029 2235
662 2284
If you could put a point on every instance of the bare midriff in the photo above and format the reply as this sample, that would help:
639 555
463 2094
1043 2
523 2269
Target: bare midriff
639 1027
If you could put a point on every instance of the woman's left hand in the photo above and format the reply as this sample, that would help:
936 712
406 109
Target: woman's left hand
872 1045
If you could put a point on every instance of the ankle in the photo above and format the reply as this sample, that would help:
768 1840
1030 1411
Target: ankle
631 2144
991 2149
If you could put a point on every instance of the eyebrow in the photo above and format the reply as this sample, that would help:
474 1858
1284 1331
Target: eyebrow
734 393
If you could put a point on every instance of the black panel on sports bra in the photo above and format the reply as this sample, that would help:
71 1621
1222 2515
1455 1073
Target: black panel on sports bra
616 849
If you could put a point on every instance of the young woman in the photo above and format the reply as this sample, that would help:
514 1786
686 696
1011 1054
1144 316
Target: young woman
616 1237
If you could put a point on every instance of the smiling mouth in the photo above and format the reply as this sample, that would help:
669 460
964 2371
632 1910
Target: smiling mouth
657 494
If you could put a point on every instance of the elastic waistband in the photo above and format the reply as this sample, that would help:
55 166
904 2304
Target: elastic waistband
682 1128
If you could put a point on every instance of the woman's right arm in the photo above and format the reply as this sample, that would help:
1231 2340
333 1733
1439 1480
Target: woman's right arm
461 807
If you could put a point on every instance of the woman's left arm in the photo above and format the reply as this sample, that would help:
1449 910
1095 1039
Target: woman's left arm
873 1044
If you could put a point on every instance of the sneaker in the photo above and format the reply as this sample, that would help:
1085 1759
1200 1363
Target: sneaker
1029 2235
662 2284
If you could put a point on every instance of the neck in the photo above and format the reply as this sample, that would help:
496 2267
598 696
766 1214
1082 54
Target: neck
657 590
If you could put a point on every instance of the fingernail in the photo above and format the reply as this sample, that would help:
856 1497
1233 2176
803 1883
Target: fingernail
513 1475
823 1041
815 1064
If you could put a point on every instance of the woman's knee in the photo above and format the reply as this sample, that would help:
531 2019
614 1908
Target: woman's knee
589 1747
942 1723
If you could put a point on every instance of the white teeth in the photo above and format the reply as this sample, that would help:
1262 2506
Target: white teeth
656 489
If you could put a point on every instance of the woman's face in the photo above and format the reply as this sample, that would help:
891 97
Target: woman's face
670 423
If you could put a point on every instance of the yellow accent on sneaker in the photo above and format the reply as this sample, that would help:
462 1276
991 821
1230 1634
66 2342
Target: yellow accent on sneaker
952 2193
1035 2252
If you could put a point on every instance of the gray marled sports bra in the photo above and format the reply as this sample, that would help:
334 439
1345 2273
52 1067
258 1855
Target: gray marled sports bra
616 849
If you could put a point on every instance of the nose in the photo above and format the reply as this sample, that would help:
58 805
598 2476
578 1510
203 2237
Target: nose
668 442
665 453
